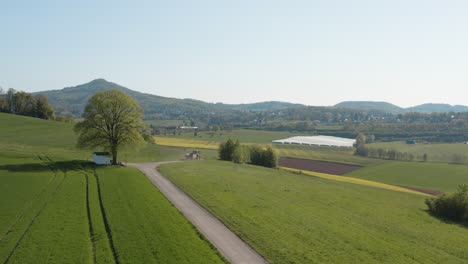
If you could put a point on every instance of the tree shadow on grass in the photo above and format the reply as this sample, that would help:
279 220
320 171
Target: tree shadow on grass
49 166
445 220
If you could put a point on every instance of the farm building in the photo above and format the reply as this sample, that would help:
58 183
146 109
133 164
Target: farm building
195 155
318 141
102 158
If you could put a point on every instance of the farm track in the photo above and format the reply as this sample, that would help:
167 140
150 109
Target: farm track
234 249
106 222
48 199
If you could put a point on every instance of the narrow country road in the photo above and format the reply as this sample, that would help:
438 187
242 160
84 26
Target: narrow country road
231 246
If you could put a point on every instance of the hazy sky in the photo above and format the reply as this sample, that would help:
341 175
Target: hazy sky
312 52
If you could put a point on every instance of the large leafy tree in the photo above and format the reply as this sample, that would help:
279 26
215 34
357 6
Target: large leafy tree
111 120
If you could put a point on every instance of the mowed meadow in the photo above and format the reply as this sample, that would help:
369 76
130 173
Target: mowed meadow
297 218
56 207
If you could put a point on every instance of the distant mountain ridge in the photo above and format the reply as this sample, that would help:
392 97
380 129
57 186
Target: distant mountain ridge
391 108
370 105
71 101
438 108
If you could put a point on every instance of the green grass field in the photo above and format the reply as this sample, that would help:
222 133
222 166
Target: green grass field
292 218
65 212
434 176
436 152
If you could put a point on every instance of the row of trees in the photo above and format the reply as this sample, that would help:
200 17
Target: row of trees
256 155
392 154
22 103
362 150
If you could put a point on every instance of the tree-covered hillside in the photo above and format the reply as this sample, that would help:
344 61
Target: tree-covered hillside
72 100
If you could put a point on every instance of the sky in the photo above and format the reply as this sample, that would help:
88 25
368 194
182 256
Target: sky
311 52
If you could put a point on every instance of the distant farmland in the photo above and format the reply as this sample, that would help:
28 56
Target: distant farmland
211 141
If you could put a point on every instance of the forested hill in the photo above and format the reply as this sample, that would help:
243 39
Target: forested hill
72 100
438 108
370 105
394 109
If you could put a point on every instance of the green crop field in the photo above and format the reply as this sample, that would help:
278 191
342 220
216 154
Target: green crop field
434 176
293 218
145 227
67 212
437 152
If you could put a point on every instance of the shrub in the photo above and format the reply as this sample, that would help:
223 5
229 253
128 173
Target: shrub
241 154
226 149
263 157
453 207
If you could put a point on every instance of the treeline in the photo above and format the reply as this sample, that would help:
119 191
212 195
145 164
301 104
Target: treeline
255 155
361 149
392 154
22 103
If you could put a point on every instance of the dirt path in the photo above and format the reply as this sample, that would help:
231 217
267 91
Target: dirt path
231 246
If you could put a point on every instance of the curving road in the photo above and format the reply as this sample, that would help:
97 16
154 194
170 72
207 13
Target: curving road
231 246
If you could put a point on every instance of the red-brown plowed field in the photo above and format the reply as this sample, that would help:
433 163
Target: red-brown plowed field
317 166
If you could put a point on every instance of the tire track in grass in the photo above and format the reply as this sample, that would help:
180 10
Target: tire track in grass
49 198
23 212
98 237
90 222
106 223
33 199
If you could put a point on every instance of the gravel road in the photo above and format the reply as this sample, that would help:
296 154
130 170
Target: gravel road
230 245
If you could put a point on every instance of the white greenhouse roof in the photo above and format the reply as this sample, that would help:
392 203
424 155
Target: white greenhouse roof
318 141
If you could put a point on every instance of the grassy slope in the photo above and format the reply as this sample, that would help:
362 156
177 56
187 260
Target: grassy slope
292 218
146 228
20 135
435 176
